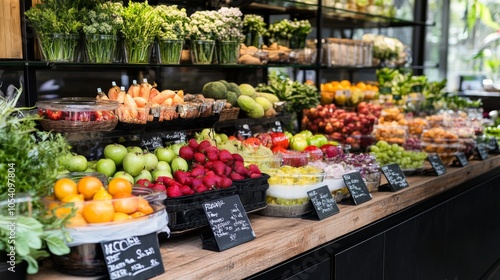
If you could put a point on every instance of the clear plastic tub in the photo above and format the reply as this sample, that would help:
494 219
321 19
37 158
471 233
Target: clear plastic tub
78 114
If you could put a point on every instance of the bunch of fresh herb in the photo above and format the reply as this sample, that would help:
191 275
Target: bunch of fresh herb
140 21
56 16
31 157
140 27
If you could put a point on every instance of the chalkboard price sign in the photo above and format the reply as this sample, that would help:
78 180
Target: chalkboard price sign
151 141
493 145
461 159
357 187
135 257
228 222
482 152
395 177
244 131
277 126
437 164
323 202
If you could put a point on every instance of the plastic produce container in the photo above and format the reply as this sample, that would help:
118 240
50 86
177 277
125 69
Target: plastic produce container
77 114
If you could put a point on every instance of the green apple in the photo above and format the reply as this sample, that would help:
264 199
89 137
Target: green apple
223 138
164 154
134 163
124 175
134 149
317 140
76 163
179 163
106 166
151 161
176 147
145 174
115 152
306 133
159 173
163 165
298 143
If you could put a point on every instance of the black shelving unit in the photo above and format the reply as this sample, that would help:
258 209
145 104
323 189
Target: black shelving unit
320 16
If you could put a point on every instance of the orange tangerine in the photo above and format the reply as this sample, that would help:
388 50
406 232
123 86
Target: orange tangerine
345 83
143 206
125 203
88 186
62 211
119 185
98 211
77 199
119 216
76 221
64 187
102 194
137 215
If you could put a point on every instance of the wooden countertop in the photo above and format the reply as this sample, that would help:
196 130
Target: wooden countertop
279 239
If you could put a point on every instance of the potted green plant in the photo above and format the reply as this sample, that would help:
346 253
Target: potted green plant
27 163
57 24
100 27
140 27
172 33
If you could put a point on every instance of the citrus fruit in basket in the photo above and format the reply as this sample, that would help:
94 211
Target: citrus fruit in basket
98 211
119 217
125 203
143 206
102 194
76 221
64 187
119 185
77 199
88 186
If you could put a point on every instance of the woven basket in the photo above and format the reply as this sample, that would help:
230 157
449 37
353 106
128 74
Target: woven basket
78 126
229 114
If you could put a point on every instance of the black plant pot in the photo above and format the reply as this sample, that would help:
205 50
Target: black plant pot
20 269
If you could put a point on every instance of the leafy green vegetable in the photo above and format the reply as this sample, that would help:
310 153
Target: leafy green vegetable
298 96
29 162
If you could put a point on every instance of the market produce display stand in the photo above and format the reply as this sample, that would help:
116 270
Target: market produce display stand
279 239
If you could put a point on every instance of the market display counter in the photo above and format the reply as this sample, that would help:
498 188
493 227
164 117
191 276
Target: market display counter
420 223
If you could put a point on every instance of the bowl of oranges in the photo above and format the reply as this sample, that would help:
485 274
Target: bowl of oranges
97 210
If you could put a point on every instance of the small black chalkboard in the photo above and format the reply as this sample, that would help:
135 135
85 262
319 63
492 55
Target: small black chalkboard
461 159
482 152
228 222
244 131
493 145
357 187
176 136
437 164
395 177
135 257
323 202
277 126
151 141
